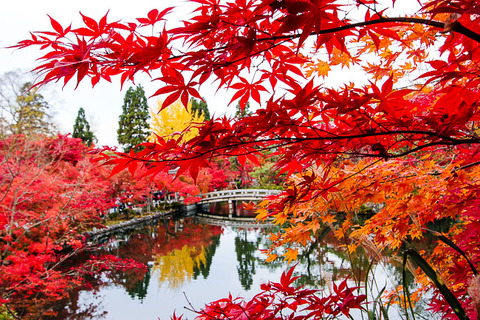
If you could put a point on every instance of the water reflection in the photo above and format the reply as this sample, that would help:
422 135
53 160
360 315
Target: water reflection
245 251
183 255
139 289
192 263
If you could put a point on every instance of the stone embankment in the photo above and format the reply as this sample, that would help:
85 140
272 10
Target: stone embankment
97 234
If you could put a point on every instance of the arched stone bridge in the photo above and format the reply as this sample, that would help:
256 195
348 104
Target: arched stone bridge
232 196
237 194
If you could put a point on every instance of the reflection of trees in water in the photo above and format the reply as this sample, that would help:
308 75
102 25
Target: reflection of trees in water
204 269
179 248
187 252
184 251
136 244
73 311
165 237
246 259
324 260
176 267
139 290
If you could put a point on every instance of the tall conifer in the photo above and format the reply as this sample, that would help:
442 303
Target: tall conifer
242 113
133 127
81 129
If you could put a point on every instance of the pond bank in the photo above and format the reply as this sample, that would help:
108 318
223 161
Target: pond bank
97 234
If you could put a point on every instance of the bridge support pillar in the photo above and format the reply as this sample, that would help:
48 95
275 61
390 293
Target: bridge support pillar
231 208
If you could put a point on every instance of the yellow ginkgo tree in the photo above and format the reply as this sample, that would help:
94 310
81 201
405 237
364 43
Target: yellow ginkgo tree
171 121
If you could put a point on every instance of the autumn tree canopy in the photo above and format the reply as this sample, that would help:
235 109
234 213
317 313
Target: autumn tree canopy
414 115
169 123
51 193
24 109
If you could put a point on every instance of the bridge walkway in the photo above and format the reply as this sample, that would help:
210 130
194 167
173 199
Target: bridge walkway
232 196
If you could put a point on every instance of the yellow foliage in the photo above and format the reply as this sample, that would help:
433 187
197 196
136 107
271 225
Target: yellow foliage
177 266
173 120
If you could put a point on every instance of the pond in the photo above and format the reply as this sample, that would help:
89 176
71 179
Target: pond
192 261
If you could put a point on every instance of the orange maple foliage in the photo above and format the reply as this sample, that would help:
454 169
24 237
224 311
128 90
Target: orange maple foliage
400 200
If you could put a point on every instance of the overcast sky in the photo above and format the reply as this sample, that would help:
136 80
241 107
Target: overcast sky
103 103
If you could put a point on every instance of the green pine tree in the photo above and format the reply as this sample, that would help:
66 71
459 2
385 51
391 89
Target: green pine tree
81 129
239 113
200 107
133 127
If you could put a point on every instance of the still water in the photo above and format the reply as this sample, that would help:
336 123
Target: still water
192 262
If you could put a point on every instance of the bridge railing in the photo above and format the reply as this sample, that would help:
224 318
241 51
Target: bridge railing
239 194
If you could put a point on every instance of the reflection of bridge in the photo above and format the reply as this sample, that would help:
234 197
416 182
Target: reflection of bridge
232 196
231 222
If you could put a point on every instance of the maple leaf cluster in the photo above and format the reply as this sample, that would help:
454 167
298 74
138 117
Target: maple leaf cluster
281 300
399 202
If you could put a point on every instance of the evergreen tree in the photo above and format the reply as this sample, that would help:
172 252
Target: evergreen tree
133 127
201 107
239 113
30 113
81 129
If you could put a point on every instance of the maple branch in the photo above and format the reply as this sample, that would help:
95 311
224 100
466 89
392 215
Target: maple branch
285 142
428 145
436 173
458 27
469 165
458 168
405 153
349 176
